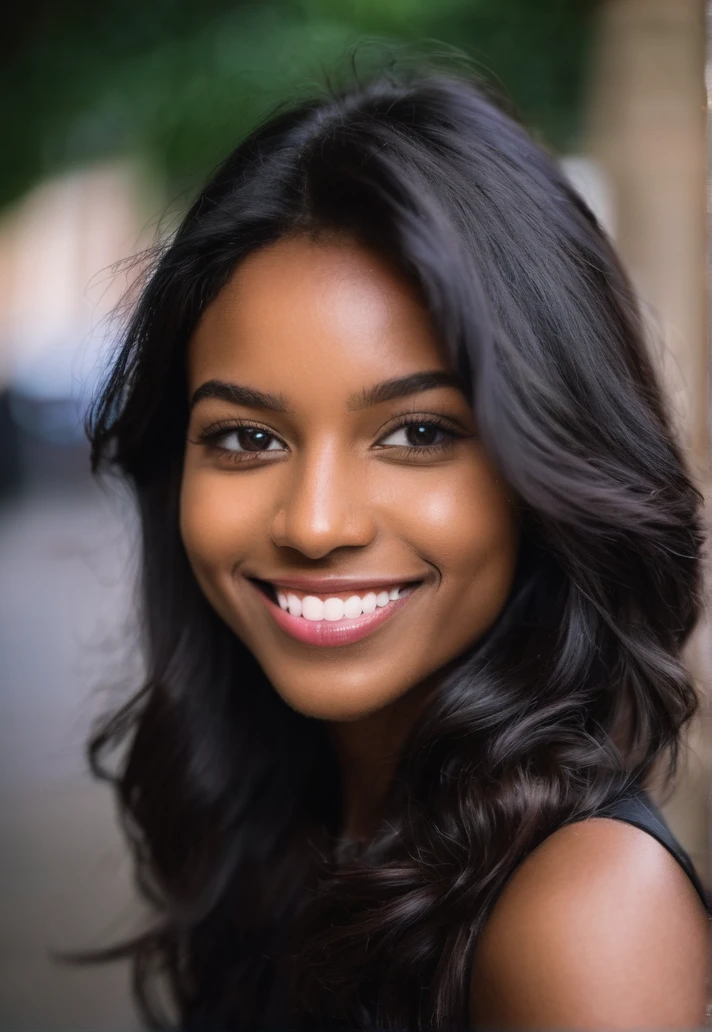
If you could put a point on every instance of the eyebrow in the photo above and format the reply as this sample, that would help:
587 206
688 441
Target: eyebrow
387 390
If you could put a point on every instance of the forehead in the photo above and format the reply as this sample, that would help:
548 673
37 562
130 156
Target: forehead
299 314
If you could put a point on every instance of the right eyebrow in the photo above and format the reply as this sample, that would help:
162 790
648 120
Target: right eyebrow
239 394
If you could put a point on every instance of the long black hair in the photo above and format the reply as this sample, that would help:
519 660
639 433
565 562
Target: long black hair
576 693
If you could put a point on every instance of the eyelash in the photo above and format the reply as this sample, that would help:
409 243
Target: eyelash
212 434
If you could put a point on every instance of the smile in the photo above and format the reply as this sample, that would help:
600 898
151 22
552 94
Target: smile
326 622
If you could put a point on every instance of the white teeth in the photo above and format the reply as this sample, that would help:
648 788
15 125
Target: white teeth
312 608
334 609
353 607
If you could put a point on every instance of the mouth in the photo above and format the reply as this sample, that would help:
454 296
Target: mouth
331 625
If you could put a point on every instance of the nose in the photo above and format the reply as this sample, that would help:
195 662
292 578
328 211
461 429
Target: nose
324 505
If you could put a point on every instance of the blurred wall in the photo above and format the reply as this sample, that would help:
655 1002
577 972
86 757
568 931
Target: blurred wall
647 132
58 248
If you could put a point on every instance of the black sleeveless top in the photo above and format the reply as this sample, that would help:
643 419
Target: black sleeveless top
635 808
639 810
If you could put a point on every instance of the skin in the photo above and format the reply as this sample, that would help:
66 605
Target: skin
573 941
599 928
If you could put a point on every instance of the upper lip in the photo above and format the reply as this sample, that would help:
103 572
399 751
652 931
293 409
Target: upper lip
326 584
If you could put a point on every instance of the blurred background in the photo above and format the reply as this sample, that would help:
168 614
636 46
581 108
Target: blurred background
113 114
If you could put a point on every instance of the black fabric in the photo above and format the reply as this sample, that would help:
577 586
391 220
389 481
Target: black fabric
639 810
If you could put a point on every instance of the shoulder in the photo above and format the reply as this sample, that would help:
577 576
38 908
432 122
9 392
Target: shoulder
598 928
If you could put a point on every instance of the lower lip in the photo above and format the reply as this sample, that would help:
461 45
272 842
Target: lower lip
331 632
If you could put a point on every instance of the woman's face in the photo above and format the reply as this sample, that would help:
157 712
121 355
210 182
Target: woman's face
316 489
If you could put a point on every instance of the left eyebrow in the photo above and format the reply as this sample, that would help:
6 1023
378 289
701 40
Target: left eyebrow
387 390
401 387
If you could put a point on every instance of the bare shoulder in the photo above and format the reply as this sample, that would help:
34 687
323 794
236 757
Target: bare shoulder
599 928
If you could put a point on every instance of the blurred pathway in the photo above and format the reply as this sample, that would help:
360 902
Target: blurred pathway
65 567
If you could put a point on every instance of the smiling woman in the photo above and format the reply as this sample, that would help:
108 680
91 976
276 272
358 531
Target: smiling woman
420 556
363 480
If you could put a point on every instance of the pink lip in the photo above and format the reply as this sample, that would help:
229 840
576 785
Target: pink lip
331 632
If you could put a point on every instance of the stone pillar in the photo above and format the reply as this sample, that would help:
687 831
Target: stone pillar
647 131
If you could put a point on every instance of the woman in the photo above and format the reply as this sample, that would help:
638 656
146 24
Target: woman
420 554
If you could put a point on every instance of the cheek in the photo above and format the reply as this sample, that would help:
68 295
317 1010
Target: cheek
217 523
466 519
469 531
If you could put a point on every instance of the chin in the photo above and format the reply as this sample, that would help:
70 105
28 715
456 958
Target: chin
333 704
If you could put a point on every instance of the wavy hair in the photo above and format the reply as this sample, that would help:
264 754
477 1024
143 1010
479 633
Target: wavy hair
264 918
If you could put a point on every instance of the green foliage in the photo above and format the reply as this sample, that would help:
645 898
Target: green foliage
180 81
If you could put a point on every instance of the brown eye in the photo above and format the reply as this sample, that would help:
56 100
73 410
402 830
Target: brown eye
238 442
249 439
421 435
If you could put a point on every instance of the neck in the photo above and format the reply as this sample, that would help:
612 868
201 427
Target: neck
368 751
